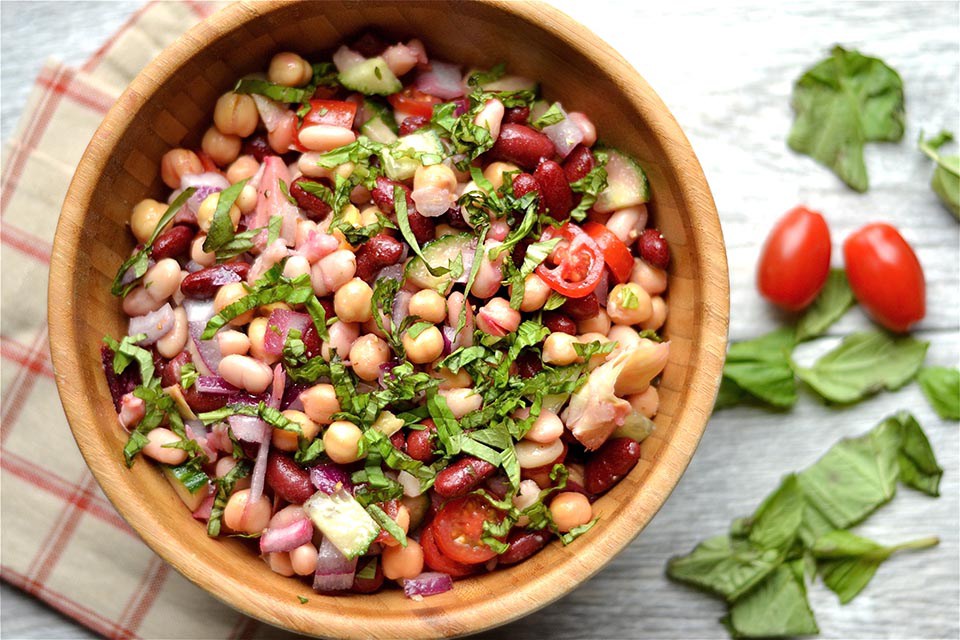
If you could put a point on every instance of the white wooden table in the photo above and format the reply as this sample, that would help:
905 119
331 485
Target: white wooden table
726 72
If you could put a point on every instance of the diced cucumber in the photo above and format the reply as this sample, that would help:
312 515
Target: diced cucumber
191 484
377 129
636 426
397 161
627 184
418 508
537 109
371 77
343 521
511 83
374 107
440 253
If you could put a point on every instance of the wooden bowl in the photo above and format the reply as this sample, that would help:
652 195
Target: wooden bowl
171 103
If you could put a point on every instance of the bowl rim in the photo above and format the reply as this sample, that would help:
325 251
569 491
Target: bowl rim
485 614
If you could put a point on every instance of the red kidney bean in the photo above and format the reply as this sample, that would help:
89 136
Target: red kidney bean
522 146
368 585
376 253
579 163
398 440
204 283
382 195
582 308
170 373
610 463
413 123
119 384
311 339
528 365
524 183
171 243
462 476
559 323
522 544
287 479
516 115
313 206
455 218
554 189
420 442
257 146
653 248
201 402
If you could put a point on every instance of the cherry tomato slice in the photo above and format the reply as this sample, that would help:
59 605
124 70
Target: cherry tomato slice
795 261
459 529
616 254
337 113
579 262
885 276
413 102
434 558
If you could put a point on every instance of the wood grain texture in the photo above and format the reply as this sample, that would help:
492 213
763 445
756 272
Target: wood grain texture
730 94
120 168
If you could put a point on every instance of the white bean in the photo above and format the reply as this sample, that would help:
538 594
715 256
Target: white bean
162 279
462 401
172 343
139 303
534 454
490 117
333 271
155 447
651 279
658 317
324 137
296 266
233 343
246 373
342 337
546 428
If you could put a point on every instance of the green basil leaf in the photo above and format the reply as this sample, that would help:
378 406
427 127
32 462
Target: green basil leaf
725 566
221 226
225 487
553 115
387 523
863 364
777 608
761 367
274 91
941 386
842 103
833 301
319 317
729 395
188 375
946 177
555 301
918 464
777 521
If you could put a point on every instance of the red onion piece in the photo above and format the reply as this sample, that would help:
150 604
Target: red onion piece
203 511
286 538
345 57
271 112
193 267
279 325
334 571
565 135
449 335
131 274
206 183
247 428
215 385
155 325
429 583
259 474
327 477
411 486
444 81
271 201
393 272
401 307
205 353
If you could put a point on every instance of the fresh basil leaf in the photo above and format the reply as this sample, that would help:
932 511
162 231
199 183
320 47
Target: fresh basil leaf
225 487
941 386
480 78
388 524
274 91
918 464
833 301
127 351
842 103
273 287
946 177
847 562
576 532
555 301
553 115
777 521
761 367
319 317
863 364
776 608
221 225
417 328
729 395
725 566
403 222
188 375
590 186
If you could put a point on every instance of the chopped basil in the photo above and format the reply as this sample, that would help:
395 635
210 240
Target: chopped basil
285 190
302 600
480 78
388 524
590 186
188 375
225 487
221 225
369 570
274 91
319 317
272 287
403 222
244 241
555 301
126 351
417 328
553 115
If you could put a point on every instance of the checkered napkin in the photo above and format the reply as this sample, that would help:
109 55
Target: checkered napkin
62 540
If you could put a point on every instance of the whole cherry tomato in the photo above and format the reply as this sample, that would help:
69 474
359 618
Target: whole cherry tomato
885 276
795 261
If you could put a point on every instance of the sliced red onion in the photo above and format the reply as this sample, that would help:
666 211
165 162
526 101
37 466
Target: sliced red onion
271 112
155 325
201 310
327 477
411 486
393 272
433 201
131 274
449 335
203 511
565 135
401 307
215 385
603 288
429 583
345 57
248 428
279 324
259 473
206 351
463 105
206 183
287 538
444 81
193 267
386 372
334 571
279 382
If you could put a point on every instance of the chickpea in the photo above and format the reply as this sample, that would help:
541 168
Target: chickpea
331 272
257 332
162 279
570 510
462 401
241 519
177 163
367 355
653 280
138 302
233 343
546 428
145 217
246 373
600 323
342 337
279 562
558 349
209 207
266 309
227 295
155 447
281 138
497 318
173 343
222 148
495 170
429 305
247 200
288 515
625 337
535 293
288 440
236 114
296 266
320 403
597 359
289 69
438 176
303 559
369 215
629 304
657 317
426 347
531 455
198 255
403 562
242 168
647 403
341 441
451 380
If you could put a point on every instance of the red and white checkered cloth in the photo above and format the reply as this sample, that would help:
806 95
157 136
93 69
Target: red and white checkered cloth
62 540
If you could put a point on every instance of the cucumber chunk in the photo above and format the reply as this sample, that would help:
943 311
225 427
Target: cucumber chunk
191 485
377 130
627 184
371 77
440 253
343 521
399 166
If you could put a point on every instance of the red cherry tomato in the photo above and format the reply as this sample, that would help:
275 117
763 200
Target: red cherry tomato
458 529
616 254
434 558
336 113
579 262
795 261
414 102
885 276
